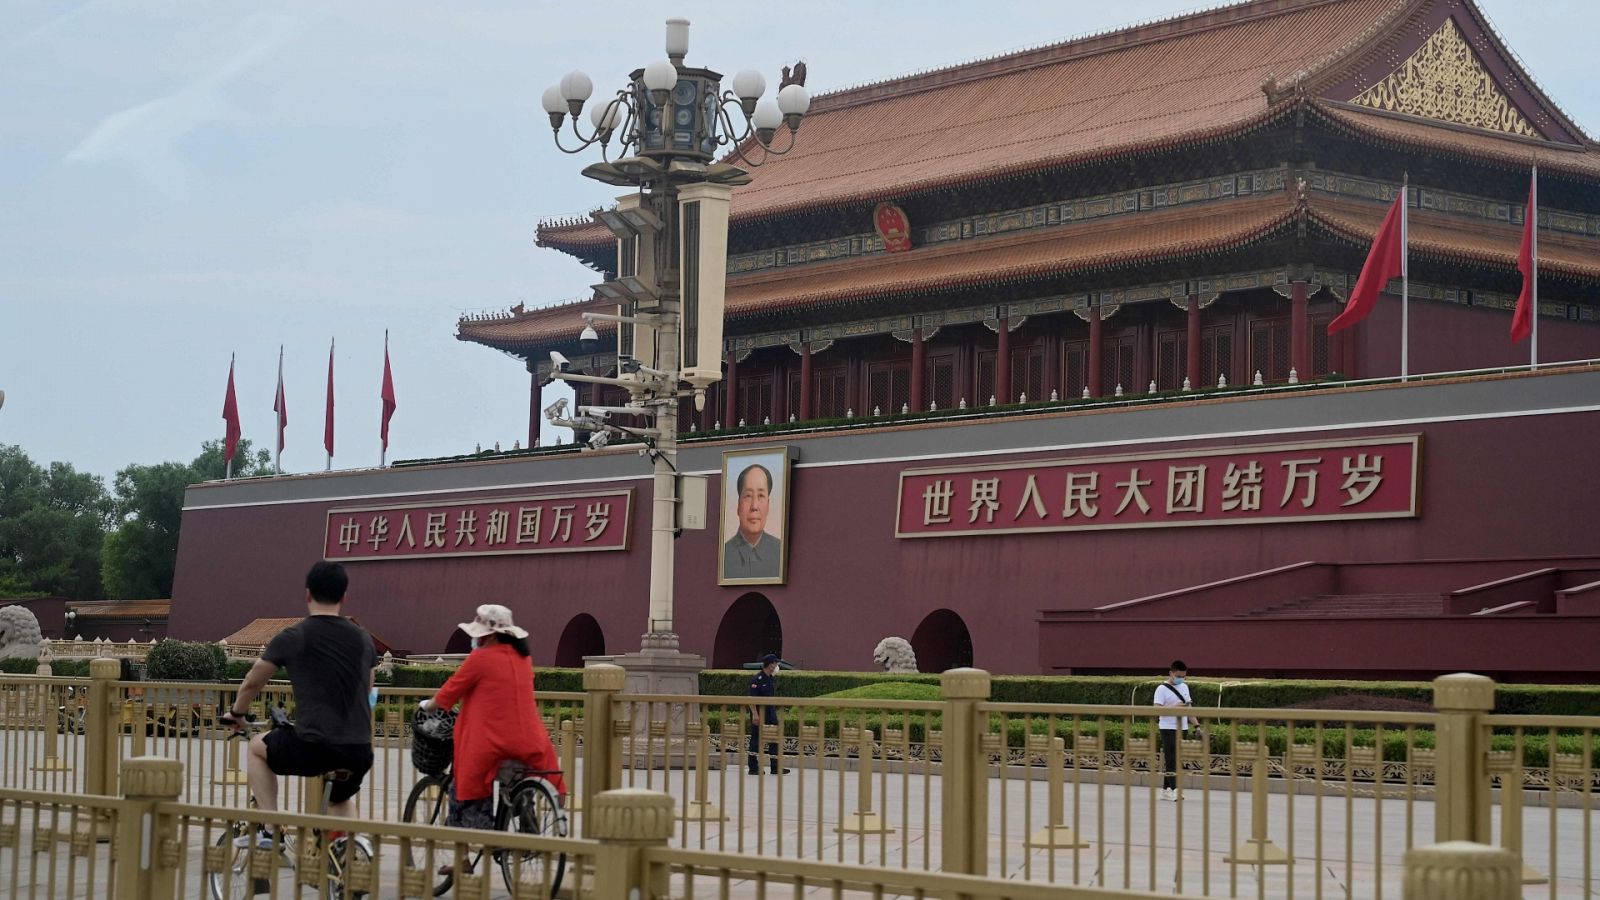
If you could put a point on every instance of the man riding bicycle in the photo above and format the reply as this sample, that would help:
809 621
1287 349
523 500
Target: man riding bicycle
330 661
499 719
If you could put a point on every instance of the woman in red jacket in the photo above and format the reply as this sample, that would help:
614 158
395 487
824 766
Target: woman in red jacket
499 720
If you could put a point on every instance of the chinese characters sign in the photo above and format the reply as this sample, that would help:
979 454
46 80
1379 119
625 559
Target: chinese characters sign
552 523
1373 478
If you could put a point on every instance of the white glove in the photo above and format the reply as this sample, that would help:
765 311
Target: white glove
425 705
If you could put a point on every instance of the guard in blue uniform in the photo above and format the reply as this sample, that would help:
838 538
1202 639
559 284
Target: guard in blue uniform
765 684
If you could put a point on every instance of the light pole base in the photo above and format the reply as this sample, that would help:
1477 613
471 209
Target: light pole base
658 667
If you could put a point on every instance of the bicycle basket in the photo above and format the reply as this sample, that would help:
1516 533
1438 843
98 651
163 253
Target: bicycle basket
433 742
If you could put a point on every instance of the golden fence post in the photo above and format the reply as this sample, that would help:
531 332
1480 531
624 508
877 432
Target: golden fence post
233 772
1258 849
1461 870
569 762
701 809
863 820
148 869
602 749
51 720
1461 778
1508 766
102 728
964 769
1056 834
627 822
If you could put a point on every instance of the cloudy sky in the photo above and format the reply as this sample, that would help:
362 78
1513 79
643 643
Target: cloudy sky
184 180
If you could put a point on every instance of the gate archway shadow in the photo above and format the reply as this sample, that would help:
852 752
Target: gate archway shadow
942 642
749 628
582 637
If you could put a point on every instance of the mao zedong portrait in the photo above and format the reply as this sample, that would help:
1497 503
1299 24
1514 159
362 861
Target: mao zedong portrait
752 552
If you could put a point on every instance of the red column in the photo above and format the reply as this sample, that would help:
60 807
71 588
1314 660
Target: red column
916 371
535 405
780 389
807 411
1002 365
1096 382
1299 348
730 407
1192 335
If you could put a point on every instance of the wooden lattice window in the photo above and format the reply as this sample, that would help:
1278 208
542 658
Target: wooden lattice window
888 386
688 419
1027 374
985 381
830 392
755 399
939 380
1172 359
1216 355
1075 368
1116 366
1269 350
1321 364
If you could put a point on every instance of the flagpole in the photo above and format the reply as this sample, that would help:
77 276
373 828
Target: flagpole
277 452
329 466
1534 230
1405 281
228 476
383 449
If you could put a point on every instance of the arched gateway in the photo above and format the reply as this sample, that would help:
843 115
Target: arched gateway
942 642
749 628
582 637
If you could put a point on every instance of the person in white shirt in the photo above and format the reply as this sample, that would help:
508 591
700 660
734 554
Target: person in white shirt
1172 692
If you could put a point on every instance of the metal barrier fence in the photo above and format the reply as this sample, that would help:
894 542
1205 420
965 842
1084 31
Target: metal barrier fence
1282 803
147 846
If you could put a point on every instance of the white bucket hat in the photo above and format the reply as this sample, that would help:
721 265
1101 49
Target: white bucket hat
492 619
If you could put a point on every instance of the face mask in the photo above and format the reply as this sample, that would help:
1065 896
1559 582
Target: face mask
372 697
476 643
1177 679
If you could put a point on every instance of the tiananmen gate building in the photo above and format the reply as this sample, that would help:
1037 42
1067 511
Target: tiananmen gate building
1041 345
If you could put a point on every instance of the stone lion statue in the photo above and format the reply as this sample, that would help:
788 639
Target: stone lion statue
19 633
894 655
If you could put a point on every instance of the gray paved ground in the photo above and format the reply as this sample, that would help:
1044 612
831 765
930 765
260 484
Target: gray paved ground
1134 840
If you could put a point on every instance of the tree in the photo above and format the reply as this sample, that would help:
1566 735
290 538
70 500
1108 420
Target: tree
141 553
52 528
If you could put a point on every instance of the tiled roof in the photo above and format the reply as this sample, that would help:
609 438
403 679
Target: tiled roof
260 632
1083 247
1463 142
118 609
1444 237
1151 85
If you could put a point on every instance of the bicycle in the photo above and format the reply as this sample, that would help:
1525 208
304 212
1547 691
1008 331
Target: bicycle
69 714
525 803
242 880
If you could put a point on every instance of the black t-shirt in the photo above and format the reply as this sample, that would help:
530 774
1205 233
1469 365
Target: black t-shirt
330 661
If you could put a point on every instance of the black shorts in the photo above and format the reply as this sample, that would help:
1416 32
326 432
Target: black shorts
287 754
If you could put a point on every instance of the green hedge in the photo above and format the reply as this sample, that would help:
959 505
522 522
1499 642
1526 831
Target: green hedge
544 679
13 665
1517 699
185 660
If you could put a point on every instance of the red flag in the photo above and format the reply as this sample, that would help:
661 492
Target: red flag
387 395
327 422
280 404
1522 319
1385 261
230 414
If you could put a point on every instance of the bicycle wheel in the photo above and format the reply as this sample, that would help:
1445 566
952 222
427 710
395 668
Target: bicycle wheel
429 804
535 809
340 853
235 880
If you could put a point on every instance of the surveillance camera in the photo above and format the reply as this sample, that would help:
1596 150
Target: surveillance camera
556 410
588 339
598 440
561 363
627 364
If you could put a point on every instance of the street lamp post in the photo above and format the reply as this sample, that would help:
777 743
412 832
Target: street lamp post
661 136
